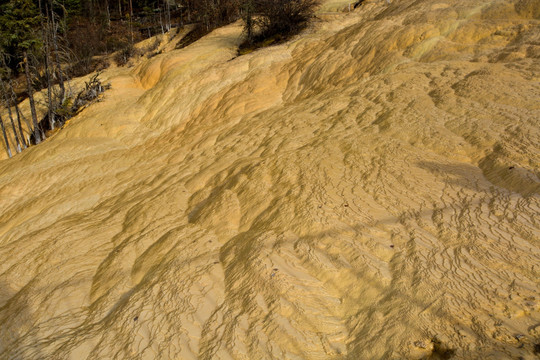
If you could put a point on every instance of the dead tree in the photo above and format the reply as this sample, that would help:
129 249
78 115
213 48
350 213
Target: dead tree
89 94
168 17
10 99
28 125
19 148
108 13
59 73
37 134
10 115
46 31
23 139
5 137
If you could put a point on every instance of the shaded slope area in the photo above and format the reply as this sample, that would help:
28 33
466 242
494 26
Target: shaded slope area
368 190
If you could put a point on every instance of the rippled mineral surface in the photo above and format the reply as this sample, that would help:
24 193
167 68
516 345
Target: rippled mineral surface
368 190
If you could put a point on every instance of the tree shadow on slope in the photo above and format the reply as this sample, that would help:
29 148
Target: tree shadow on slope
458 175
18 338
492 171
271 22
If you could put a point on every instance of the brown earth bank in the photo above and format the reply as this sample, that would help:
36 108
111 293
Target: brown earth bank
368 190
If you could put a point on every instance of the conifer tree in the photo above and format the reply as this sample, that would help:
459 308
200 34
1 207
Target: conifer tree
18 25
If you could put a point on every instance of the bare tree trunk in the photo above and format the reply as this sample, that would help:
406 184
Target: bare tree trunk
19 149
248 19
107 11
161 22
5 137
36 131
120 8
131 20
46 42
10 114
57 58
23 139
8 98
182 17
11 99
19 116
168 15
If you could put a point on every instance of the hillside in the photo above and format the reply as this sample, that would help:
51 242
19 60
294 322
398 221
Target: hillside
367 190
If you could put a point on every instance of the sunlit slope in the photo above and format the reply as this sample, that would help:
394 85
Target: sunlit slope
369 190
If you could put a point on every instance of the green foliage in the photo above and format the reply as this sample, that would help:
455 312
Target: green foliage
65 109
268 22
73 7
123 56
19 23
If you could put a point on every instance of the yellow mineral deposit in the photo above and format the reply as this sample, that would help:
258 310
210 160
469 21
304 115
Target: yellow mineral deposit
368 190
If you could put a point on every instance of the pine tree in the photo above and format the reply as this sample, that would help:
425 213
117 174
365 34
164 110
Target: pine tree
18 24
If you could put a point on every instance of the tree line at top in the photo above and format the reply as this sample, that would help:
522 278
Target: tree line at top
44 43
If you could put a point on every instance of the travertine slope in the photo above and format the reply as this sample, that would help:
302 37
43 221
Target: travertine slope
369 190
